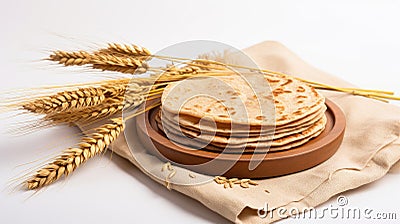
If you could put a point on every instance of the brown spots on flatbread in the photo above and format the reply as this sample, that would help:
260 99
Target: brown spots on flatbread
268 97
280 108
300 101
300 89
279 91
273 80
248 103
284 117
301 96
223 115
261 117
287 82
314 92
306 108
233 93
276 92
297 112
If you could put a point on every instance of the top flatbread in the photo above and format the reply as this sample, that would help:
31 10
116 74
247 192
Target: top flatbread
248 100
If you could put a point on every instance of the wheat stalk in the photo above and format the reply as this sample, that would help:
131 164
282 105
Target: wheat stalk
120 69
123 52
217 65
72 158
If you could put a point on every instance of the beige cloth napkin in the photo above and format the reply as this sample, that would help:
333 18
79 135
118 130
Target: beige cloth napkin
370 147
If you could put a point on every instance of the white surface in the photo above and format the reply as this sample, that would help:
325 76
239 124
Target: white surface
357 40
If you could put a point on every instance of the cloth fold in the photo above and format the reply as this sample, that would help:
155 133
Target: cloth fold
370 147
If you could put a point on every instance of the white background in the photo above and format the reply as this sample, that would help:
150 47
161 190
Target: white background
356 40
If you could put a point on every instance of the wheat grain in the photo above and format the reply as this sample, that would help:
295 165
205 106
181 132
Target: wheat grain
244 183
169 167
72 158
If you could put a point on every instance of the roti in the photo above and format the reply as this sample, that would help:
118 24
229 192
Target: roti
237 100
235 143
236 114
232 139
194 145
237 130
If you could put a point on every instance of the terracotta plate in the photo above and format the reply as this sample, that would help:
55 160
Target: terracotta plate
272 164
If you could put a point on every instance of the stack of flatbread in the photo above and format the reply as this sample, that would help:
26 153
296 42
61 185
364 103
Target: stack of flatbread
235 114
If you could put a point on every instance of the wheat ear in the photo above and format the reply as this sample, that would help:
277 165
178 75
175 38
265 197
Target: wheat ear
101 60
66 100
81 98
72 158
71 58
108 108
129 50
123 62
